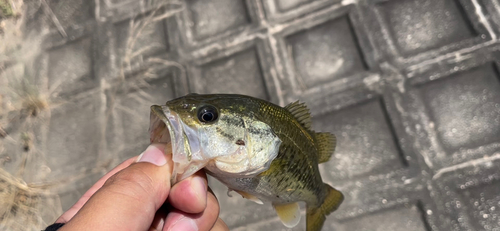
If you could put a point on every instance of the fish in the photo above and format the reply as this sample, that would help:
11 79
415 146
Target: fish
264 152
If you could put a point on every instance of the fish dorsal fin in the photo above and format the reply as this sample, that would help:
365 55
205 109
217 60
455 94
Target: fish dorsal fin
301 113
289 214
326 143
249 196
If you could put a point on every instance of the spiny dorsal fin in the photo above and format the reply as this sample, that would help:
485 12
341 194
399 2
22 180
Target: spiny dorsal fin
301 113
326 143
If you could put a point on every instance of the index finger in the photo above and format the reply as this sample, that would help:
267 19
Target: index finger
70 213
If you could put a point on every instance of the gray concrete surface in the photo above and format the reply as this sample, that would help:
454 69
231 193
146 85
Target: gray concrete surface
411 88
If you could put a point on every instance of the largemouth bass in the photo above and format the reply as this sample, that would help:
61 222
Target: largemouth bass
265 152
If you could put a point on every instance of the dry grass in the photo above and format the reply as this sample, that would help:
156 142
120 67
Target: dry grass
26 202
21 100
142 26
137 67
18 91
23 206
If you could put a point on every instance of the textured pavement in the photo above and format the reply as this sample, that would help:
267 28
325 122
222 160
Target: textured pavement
411 88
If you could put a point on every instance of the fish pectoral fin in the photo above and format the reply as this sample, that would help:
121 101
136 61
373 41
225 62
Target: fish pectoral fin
249 196
289 214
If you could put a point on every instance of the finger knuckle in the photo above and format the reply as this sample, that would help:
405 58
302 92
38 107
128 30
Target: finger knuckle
134 181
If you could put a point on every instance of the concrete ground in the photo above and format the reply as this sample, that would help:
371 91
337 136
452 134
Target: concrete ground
411 88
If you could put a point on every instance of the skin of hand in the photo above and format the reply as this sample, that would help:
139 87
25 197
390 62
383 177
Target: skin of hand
137 195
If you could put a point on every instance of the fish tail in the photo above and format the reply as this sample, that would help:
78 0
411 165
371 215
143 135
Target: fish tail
316 216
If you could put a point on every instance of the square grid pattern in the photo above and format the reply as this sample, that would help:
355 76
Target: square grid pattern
411 88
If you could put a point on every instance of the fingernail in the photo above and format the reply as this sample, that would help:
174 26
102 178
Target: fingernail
184 224
154 155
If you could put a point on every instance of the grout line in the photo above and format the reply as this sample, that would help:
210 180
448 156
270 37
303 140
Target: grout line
482 161
483 20
54 19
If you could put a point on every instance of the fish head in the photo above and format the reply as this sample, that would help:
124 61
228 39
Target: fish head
216 133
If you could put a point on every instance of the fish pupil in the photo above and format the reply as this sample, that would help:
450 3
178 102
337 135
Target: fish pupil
207 114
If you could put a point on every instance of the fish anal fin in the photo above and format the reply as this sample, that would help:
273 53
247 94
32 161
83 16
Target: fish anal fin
326 143
289 214
249 196
315 217
301 113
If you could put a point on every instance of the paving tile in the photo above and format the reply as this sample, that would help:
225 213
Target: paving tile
73 134
70 65
239 73
421 25
410 88
284 5
140 39
128 123
470 203
73 190
271 224
365 141
325 52
408 217
482 203
212 17
284 10
71 13
120 1
465 108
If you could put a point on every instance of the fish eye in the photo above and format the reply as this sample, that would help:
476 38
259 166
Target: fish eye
208 114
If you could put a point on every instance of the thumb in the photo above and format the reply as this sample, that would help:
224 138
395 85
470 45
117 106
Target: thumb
130 198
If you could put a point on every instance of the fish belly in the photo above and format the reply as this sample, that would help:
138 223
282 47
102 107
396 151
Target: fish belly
265 191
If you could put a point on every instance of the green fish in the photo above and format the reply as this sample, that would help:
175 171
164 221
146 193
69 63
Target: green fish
265 152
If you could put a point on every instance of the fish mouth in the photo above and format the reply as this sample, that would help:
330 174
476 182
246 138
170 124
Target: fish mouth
182 141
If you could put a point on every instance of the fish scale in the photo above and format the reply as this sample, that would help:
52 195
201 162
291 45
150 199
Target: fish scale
303 172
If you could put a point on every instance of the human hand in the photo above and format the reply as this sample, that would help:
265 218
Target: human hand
137 195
